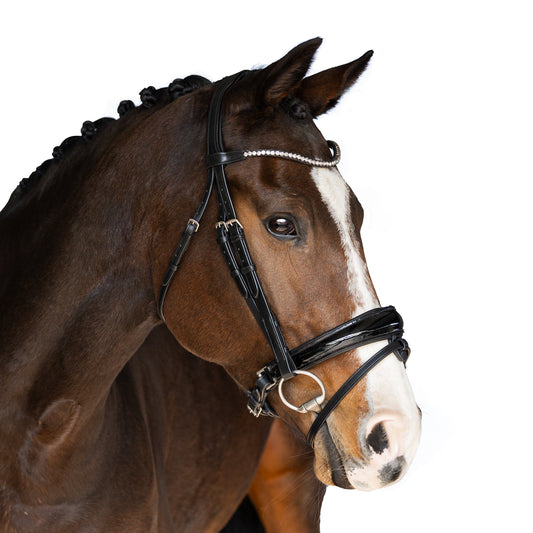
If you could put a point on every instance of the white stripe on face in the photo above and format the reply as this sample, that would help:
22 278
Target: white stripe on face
388 391
335 194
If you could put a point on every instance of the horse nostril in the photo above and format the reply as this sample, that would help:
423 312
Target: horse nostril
377 439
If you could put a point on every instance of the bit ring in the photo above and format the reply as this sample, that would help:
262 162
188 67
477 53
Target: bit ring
315 404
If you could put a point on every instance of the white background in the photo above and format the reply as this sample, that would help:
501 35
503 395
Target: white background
436 142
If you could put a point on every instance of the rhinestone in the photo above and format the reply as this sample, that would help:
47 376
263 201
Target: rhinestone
299 157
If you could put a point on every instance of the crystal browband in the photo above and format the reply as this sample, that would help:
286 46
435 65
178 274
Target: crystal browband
299 158
225 158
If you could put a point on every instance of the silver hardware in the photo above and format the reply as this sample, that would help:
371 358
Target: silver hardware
315 404
233 221
256 411
228 223
195 222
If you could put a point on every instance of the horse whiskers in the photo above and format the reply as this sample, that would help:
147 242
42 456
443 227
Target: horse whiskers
306 453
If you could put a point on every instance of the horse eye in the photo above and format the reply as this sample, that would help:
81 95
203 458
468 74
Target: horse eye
282 227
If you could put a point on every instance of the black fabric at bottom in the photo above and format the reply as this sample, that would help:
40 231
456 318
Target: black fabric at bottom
245 520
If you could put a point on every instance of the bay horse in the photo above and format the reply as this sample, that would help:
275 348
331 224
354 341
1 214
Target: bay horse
105 427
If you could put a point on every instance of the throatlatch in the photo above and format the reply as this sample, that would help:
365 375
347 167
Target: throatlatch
381 324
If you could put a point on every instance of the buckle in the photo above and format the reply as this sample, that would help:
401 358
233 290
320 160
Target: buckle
228 224
220 225
233 221
195 223
255 406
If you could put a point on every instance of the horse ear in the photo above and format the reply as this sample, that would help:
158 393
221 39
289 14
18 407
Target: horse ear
322 91
281 77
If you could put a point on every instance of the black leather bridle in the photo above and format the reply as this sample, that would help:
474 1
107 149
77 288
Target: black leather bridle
381 324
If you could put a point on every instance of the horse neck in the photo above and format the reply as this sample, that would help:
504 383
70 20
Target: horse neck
76 278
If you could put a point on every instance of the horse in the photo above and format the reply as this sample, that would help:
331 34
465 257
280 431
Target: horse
284 486
284 489
106 429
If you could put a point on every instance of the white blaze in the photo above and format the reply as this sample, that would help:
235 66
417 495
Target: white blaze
335 194
388 389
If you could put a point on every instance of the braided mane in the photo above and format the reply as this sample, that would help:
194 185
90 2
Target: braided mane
150 97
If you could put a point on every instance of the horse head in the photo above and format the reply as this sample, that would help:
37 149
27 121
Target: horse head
302 225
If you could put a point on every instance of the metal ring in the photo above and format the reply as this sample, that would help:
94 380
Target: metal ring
312 405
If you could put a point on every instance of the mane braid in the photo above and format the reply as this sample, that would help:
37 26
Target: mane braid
150 97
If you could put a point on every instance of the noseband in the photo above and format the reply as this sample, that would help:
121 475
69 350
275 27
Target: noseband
381 324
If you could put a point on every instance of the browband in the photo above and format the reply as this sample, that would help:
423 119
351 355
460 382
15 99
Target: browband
226 158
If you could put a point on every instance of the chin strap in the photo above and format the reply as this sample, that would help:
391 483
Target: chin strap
188 233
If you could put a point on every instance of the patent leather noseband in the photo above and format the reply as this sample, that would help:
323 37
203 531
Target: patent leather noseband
381 324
